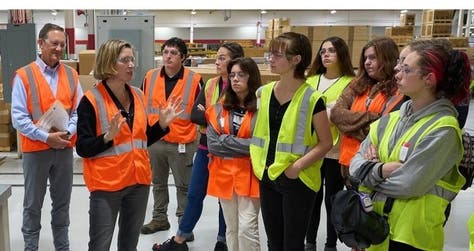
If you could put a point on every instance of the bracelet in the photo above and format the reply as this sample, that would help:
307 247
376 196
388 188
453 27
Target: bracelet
380 171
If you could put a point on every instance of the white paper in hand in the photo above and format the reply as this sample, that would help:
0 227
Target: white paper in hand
56 117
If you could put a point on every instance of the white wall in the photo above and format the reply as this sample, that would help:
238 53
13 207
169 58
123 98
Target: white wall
210 24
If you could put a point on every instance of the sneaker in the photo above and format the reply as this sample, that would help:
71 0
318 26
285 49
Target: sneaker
330 249
310 246
170 245
220 246
155 226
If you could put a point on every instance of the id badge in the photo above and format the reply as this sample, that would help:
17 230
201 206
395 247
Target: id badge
181 148
404 152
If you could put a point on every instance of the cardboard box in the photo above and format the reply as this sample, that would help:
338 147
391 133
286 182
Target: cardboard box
7 141
6 128
87 82
73 63
86 62
5 117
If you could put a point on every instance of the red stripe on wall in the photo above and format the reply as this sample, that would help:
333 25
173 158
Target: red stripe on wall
71 40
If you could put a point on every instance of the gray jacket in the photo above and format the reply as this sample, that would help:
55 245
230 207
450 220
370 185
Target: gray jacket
434 157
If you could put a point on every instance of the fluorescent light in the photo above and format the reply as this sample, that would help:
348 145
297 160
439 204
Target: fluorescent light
193 12
263 12
54 12
403 11
333 12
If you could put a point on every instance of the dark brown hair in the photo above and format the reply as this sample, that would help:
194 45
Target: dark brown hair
387 54
343 58
292 44
248 66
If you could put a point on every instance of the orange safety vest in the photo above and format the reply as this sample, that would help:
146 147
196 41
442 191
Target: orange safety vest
39 98
380 104
230 174
126 163
182 130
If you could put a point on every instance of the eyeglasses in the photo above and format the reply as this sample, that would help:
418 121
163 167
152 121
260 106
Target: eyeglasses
126 60
276 54
239 75
172 52
400 61
330 50
405 69
55 44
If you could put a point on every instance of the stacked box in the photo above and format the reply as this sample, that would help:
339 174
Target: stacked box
435 30
86 61
437 16
407 19
276 27
7 133
436 23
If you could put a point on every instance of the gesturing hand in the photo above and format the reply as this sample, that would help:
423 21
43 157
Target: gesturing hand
114 126
169 112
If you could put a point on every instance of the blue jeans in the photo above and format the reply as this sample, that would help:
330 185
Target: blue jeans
196 194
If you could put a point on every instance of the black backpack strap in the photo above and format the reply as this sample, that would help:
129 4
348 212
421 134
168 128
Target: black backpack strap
387 208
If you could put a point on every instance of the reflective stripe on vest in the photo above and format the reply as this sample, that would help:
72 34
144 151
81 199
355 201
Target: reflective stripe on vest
425 122
104 125
187 91
122 148
37 113
298 146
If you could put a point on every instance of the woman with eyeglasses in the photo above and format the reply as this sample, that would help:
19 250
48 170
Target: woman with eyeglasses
290 139
330 74
231 178
372 93
113 135
209 95
408 148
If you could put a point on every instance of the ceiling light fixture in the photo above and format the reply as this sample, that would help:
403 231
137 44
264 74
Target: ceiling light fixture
403 11
193 12
54 12
333 12
263 12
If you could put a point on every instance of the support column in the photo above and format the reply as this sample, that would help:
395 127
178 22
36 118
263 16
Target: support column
90 30
469 23
69 22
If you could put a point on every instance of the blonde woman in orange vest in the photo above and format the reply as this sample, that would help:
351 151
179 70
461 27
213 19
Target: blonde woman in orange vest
371 93
208 96
47 153
113 135
176 150
231 178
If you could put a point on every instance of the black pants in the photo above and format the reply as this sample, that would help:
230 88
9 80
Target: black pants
286 208
129 204
397 246
333 182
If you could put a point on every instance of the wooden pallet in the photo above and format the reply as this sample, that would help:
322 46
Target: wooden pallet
399 31
407 19
437 16
435 30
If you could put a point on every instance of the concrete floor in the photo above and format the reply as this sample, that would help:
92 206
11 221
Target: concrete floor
456 238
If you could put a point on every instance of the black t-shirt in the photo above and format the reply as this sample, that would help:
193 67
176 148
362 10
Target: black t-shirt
276 113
